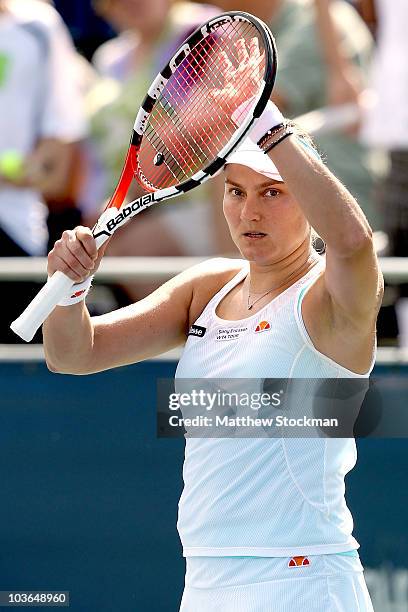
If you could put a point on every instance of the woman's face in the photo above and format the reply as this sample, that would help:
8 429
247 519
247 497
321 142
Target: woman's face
266 223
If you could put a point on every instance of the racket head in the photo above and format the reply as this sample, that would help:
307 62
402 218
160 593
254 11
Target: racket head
184 130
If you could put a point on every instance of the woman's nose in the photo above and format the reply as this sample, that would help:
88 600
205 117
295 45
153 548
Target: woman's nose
251 209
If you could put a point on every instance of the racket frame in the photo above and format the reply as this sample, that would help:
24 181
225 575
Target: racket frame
131 168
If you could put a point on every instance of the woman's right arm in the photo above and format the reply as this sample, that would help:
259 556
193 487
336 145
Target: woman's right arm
75 343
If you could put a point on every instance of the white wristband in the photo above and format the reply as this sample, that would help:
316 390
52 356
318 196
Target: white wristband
270 118
78 293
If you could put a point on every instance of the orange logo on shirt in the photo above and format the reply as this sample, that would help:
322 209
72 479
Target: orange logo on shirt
262 326
298 562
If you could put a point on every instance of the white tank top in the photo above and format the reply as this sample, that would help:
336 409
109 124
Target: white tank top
263 497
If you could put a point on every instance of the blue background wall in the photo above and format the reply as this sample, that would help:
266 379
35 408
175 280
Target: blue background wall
89 494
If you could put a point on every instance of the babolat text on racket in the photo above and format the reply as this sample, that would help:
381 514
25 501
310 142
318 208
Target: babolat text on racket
184 129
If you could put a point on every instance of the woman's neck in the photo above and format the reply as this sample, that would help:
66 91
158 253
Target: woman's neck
286 271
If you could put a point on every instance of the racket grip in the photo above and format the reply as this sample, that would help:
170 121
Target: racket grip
54 290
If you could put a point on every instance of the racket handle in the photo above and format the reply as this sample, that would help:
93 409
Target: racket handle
54 290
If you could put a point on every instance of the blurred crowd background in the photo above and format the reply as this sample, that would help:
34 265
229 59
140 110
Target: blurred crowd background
73 74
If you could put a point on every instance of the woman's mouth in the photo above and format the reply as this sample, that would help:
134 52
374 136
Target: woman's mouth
254 235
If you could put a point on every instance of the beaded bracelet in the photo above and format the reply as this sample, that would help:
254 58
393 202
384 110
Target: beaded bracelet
276 142
270 133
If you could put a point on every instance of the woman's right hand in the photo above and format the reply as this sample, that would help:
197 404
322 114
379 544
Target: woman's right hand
75 254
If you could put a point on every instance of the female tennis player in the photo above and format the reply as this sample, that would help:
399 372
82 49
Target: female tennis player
263 522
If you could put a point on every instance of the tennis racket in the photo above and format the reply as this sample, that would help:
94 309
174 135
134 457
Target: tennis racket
184 130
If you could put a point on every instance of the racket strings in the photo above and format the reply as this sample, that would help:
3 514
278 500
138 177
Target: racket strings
177 136
183 84
192 119
210 135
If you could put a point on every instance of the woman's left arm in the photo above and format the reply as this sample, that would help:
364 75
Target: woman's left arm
353 279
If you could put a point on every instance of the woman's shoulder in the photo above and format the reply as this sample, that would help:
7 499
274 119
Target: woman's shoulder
210 275
208 278
218 269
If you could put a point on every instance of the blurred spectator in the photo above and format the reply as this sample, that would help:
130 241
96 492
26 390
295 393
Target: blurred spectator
149 32
367 11
344 80
386 127
40 119
87 29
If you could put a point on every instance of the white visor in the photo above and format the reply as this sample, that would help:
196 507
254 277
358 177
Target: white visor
249 154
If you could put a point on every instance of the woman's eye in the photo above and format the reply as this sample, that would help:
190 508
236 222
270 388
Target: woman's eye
272 193
235 192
